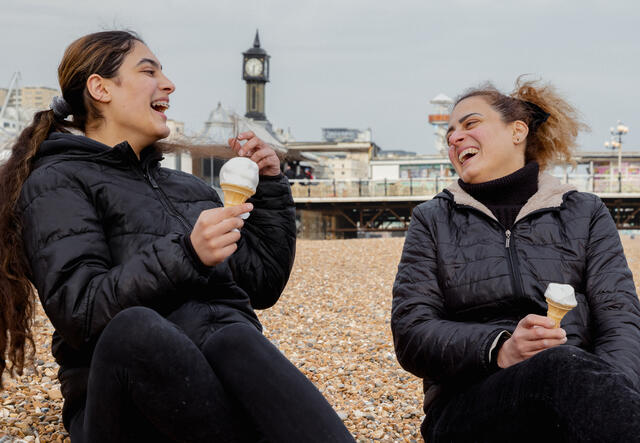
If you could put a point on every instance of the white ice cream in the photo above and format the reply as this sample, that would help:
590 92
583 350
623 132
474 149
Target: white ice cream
240 171
561 294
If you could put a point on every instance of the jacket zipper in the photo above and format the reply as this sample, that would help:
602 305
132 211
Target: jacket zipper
514 266
143 169
512 257
164 200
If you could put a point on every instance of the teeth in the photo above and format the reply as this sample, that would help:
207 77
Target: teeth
467 152
160 105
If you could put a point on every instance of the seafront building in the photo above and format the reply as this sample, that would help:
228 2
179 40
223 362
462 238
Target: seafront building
30 98
342 154
18 104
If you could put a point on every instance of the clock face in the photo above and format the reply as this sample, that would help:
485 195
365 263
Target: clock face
253 67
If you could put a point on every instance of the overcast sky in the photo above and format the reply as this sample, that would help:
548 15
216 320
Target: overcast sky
361 64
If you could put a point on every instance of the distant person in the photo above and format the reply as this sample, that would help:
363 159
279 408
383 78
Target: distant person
149 282
308 174
289 172
469 309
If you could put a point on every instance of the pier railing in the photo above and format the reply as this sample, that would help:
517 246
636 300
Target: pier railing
428 187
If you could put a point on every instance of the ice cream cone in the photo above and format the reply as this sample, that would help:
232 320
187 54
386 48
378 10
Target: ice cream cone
556 311
235 195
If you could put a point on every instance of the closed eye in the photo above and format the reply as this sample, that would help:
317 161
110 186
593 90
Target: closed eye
448 134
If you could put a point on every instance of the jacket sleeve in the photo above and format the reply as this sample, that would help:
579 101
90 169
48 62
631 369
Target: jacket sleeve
266 250
71 267
427 344
610 292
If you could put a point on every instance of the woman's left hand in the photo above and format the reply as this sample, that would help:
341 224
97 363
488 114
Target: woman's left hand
534 334
257 150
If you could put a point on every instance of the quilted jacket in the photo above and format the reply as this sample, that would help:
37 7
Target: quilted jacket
463 279
104 230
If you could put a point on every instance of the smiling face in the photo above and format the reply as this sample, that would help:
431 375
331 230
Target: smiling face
482 147
137 99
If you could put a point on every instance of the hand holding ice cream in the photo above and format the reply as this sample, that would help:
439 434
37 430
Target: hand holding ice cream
216 231
536 333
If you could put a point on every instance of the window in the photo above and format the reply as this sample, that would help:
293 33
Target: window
253 98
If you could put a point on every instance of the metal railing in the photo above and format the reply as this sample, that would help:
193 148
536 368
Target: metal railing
428 187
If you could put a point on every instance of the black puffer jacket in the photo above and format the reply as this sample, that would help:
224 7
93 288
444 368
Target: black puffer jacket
463 279
104 231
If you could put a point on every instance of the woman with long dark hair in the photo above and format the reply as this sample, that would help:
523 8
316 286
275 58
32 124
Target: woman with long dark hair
468 301
149 282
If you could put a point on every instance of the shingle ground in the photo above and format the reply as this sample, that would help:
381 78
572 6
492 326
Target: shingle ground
332 322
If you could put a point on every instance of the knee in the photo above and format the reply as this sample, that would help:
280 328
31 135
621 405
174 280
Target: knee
132 330
132 316
236 339
563 355
570 363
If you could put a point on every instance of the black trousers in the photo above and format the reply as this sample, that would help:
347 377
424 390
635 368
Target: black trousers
149 382
563 394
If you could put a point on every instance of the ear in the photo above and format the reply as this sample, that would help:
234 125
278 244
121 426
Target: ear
520 131
98 88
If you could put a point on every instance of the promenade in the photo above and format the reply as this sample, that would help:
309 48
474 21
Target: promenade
332 322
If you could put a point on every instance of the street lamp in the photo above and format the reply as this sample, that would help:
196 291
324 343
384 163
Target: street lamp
618 131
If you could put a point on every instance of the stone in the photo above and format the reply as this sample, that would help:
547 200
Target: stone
54 394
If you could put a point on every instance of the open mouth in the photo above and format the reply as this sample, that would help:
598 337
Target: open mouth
467 154
160 105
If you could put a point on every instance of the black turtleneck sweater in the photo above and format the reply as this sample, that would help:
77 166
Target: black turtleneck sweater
505 196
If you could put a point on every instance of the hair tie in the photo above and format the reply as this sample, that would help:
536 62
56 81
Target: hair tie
538 115
61 109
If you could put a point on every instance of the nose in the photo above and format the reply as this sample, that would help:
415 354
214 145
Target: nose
455 137
167 85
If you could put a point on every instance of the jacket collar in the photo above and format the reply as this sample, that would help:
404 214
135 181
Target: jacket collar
551 192
74 146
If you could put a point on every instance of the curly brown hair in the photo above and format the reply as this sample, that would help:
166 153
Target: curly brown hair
551 138
100 53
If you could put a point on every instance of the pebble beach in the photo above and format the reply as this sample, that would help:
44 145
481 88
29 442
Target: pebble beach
332 322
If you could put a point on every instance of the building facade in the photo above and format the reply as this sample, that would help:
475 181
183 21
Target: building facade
29 98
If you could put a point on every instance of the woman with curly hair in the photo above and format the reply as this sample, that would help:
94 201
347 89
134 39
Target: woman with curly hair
469 308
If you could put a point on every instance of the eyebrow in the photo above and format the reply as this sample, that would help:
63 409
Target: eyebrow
462 120
151 62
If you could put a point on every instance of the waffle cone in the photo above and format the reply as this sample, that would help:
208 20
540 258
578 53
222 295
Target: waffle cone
556 311
235 195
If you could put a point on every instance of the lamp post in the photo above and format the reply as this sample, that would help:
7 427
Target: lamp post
617 131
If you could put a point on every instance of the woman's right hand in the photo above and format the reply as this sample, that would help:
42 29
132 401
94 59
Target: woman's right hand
213 236
533 334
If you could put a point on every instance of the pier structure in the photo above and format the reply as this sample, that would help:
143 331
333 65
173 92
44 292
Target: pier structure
334 208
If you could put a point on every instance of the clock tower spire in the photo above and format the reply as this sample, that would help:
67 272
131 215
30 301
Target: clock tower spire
255 71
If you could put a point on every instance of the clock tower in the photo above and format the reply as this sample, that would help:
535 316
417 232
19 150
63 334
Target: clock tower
255 71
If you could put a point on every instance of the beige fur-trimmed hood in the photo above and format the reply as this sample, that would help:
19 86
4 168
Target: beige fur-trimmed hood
549 195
